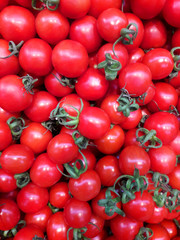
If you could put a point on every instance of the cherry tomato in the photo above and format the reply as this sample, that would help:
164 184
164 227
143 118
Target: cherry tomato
158 215
159 232
29 232
136 55
5 135
171 12
133 120
175 144
7 181
170 226
174 177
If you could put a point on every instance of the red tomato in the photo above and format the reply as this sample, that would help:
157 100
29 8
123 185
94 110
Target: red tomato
5 135
125 228
159 232
35 57
7 181
155 34
136 78
86 187
94 229
24 3
133 120
17 158
44 172
51 26
91 85
28 232
132 157
59 194
39 218
110 22
62 149
32 198
77 213
84 30
136 55
144 205
5 115
36 137
11 102
174 178
70 58
170 226
74 8
176 38
175 144
158 215
10 214
112 141
108 170
93 122
17 24
130 138
3 4
160 62
171 12
57 227
146 9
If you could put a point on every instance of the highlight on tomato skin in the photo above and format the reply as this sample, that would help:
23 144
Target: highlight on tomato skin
89 119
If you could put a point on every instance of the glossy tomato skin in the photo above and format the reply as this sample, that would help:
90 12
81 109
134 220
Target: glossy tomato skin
28 232
160 122
159 214
36 136
86 187
144 205
94 230
10 214
57 227
175 144
32 198
136 55
5 135
35 57
51 26
62 149
132 157
135 78
110 22
55 86
91 85
176 38
171 12
155 34
39 218
174 177
7 181
112 141
93 122
77 213
59 194
165 96
11 102
8 65
108 170
44 172
159 232
132 121
70 58
17 158
146 9
5 115
74 9
84 30
171 227
125 228
160 63
17 24
162 159
130 138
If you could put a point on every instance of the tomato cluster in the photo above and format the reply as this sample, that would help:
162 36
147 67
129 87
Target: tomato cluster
89 119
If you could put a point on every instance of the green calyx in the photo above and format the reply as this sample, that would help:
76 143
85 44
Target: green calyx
81 141
51 5
53 209
12 232
38 238
111 67
109 203
16 126
126 103
144 234
22 179
127 36
28 83
148 139
176 59
64 81
78 233
14 49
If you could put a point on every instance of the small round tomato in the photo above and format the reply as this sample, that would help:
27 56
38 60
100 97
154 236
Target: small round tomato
133 120
170 226
171 12
7 181
10 214
70 58
17 158
32 198
86 187
77 213
144 205
112 141
136 55
5 115
40 108
132 157
44 172
29 232
84 30
159 232
51 26
176 38
108 169
17 24
11 102
59 194
5 135
175 144
62 149
158 215
95 228
174 178
93 122
35 57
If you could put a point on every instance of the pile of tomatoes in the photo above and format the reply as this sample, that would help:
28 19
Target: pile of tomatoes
89 119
